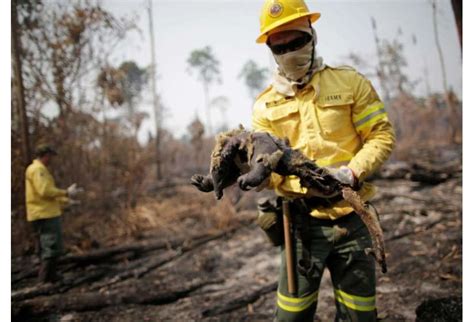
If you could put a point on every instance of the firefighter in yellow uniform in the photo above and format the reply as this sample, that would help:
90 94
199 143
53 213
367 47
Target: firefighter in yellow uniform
335 117
44 202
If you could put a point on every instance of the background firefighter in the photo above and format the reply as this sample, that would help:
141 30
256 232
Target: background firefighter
335 117
44 202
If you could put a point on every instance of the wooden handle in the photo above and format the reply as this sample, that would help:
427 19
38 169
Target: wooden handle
288 248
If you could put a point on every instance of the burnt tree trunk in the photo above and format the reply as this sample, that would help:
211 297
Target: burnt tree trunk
19 88
457 10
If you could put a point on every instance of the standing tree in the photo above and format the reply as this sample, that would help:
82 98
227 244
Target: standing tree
380 70
157 107
457 10
196 133
65 43
134 81
222 104
207 67
123 86
18 84
391 64
254 77
454 114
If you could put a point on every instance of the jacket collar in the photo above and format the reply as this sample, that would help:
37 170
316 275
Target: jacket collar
287 88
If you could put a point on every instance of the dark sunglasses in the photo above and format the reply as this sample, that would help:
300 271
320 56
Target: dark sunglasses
293 45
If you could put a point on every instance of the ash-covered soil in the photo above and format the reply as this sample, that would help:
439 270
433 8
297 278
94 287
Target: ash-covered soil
230 274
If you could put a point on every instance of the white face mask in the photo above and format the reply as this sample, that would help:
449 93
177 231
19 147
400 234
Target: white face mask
295 64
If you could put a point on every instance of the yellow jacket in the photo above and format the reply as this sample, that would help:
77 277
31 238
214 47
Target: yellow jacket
336 119
43 198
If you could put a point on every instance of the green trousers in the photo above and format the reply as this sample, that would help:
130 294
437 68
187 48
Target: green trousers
49 236
338 245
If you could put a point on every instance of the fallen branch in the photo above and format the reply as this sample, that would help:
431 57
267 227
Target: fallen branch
131 250
139 269
138 247
60 287
27 273
140 294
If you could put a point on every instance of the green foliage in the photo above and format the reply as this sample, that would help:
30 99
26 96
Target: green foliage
206 65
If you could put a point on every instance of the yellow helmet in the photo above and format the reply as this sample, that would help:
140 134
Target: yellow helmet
279 12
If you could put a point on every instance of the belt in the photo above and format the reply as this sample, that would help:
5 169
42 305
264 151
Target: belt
314 202
308 204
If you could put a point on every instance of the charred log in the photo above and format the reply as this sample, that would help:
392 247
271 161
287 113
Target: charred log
139 294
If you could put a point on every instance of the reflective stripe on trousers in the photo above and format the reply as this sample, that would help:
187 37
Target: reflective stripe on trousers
354 302
337 245
293 304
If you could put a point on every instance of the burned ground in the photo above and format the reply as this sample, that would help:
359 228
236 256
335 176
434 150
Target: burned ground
199 268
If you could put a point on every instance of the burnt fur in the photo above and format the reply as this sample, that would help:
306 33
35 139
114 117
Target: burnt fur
249 158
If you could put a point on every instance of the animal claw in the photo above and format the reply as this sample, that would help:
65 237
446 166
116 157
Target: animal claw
202 183
243 184
219 195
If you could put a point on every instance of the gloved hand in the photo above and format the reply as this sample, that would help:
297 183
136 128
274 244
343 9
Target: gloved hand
73 190
72 202
344 175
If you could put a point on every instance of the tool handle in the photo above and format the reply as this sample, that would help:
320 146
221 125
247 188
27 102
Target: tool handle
288 248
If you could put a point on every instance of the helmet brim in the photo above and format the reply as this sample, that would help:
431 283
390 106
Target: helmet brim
262 38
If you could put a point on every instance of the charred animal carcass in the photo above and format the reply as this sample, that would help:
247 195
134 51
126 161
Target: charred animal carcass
248 158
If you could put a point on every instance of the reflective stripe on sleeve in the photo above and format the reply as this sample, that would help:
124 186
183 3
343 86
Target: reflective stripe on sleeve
293 304
354 302
369 116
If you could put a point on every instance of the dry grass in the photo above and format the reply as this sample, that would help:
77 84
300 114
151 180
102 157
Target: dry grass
175 213
422 125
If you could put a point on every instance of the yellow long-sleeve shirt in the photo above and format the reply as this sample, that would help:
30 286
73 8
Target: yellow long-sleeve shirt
336 119
43 199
